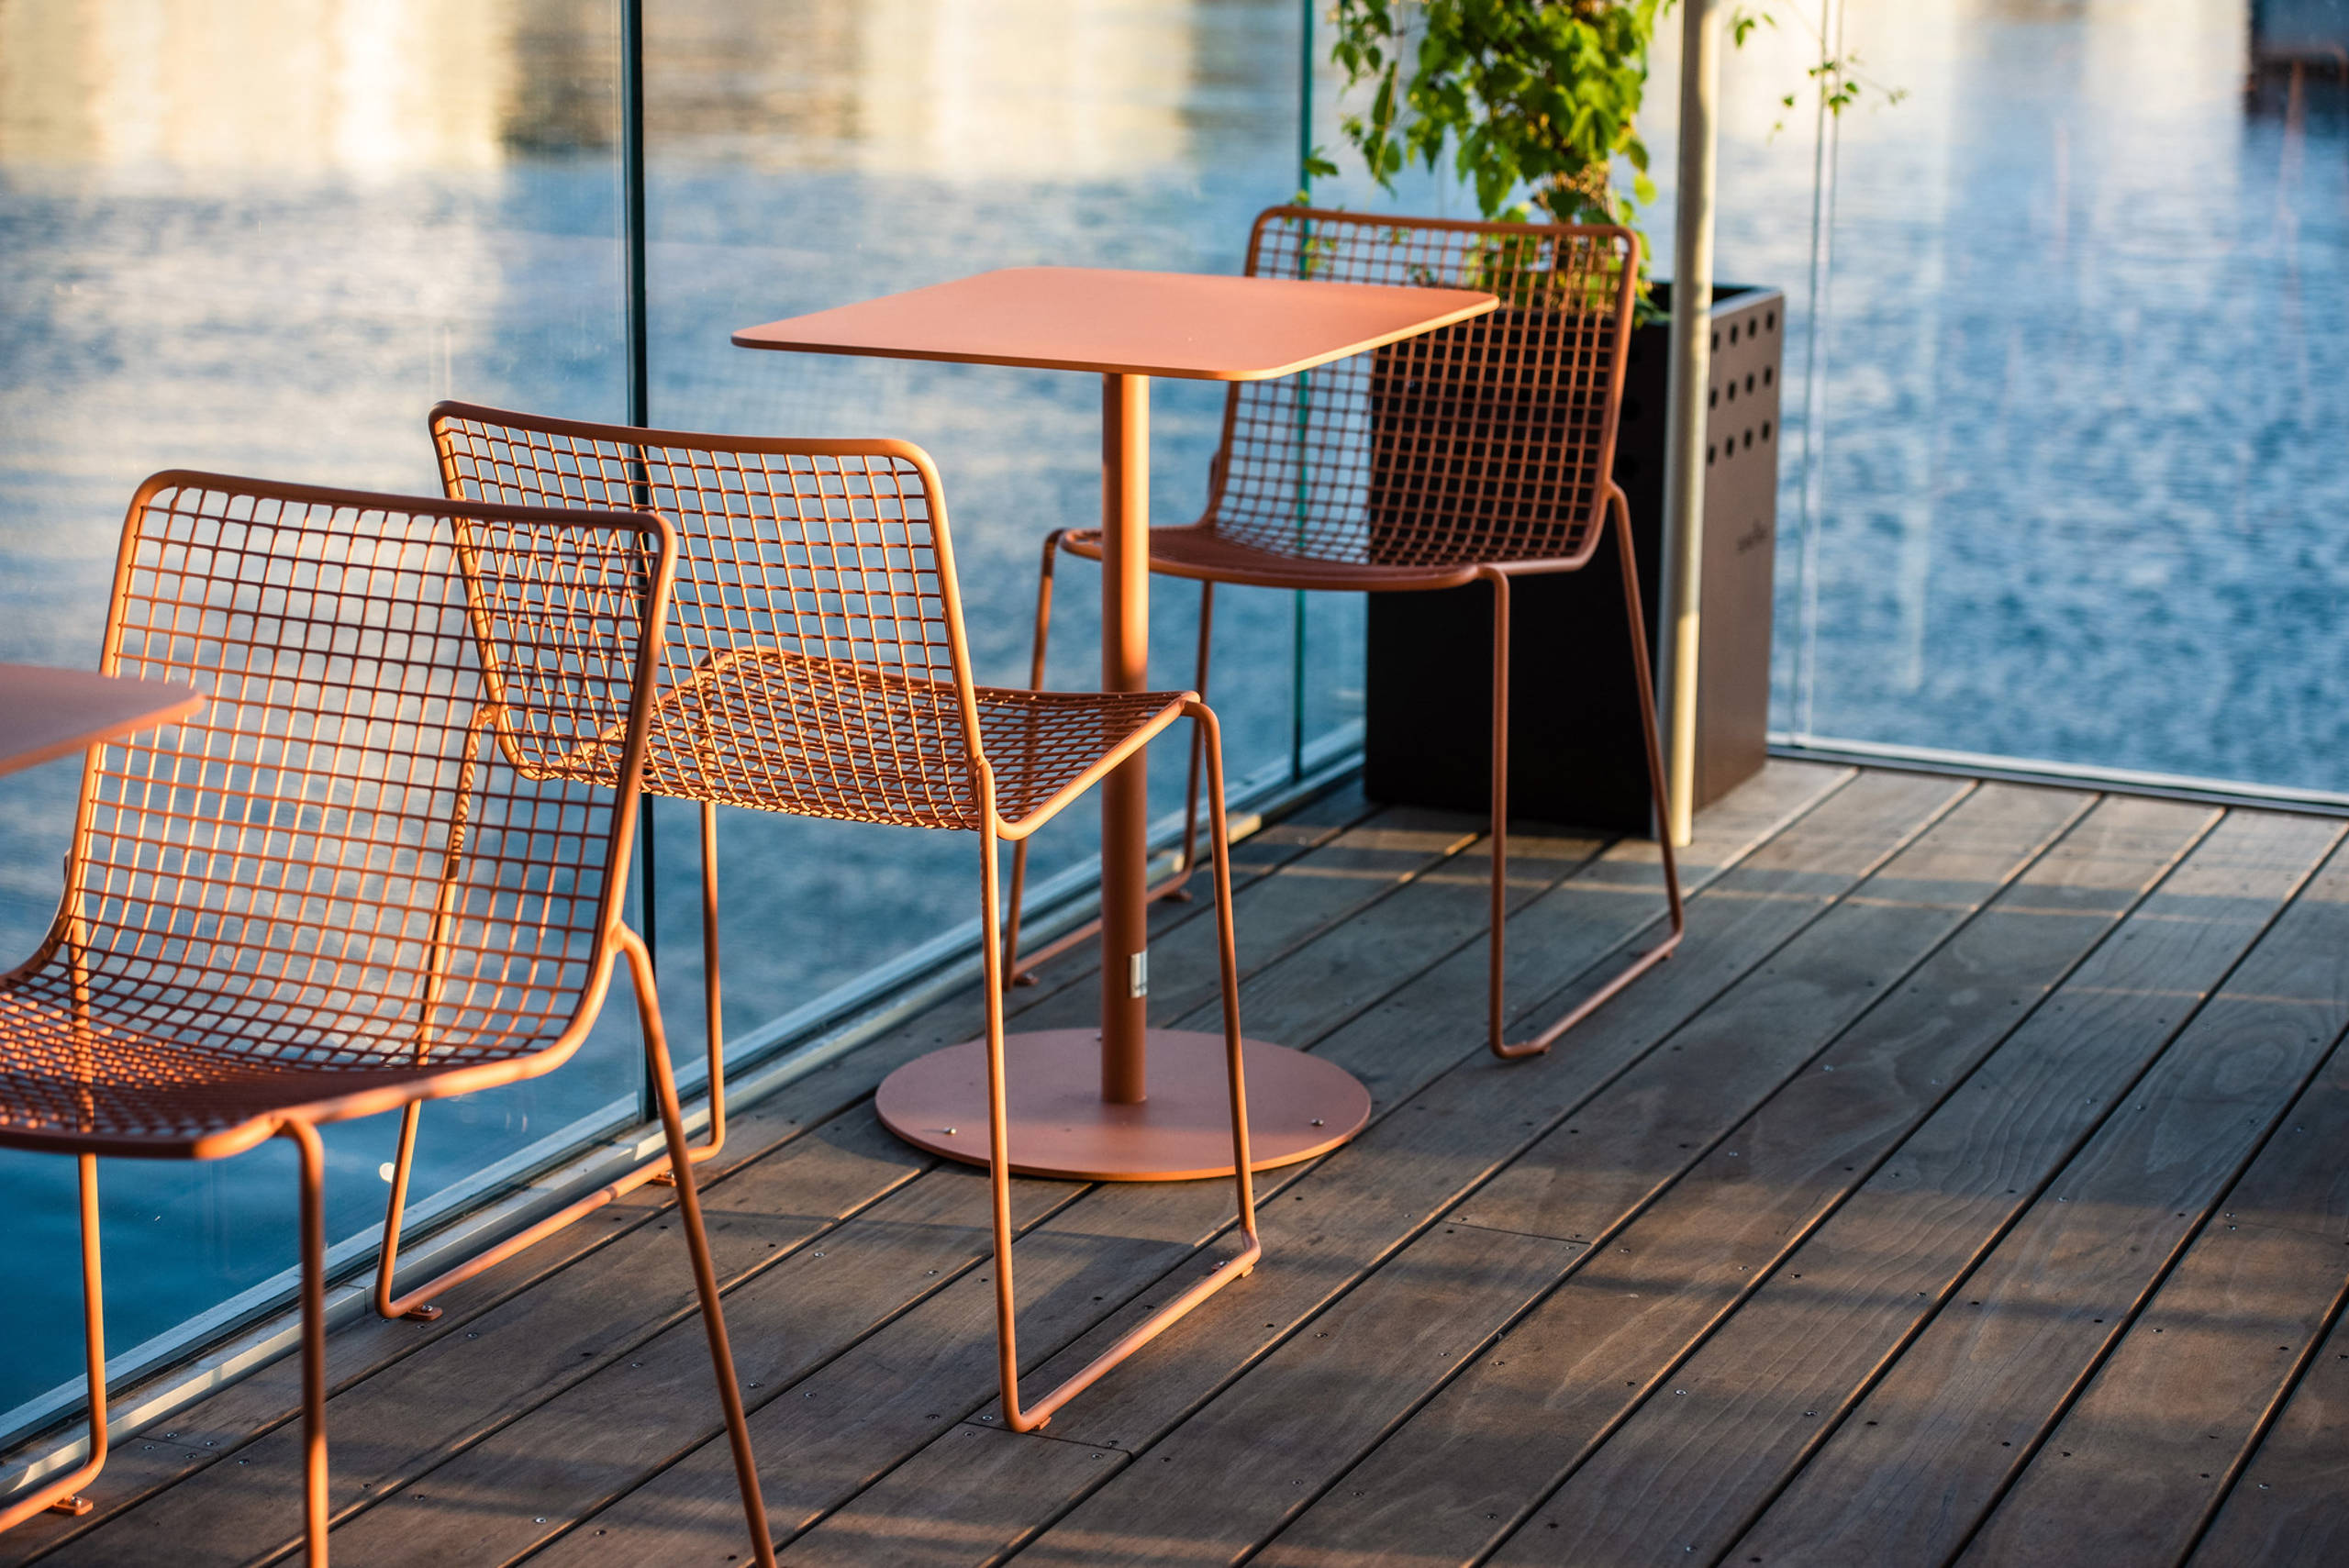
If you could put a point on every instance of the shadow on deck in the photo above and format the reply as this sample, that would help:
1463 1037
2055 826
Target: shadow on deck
1967 1188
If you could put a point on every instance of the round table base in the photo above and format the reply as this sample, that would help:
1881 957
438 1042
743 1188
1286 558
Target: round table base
1298 1106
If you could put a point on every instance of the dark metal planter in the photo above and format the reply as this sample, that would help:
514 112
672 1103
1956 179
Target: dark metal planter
1575 748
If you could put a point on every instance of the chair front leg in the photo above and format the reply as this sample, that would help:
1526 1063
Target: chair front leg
314 1515
1027 1418
705 1269
64 1496
1644 685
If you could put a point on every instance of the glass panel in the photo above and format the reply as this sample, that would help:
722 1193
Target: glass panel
263 240
2080 497
816 153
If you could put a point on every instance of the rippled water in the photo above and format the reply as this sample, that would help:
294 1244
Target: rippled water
2072 490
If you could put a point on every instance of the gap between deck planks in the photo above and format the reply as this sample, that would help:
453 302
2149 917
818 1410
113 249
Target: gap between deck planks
1335 904
1623 1146
819 1452
1463 1473
1974 1389
586 1445
1361 1205
218 1427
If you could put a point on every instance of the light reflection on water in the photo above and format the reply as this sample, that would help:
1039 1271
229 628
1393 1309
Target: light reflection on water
2077 488
266 242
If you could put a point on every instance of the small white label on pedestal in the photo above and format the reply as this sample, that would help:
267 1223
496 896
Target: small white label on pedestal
1137 974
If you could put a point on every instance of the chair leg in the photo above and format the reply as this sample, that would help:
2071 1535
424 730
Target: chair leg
713 1318
1013 973
416 1302
1644 684
1173 885
712 1001
64 1496
1030 1418
315 1507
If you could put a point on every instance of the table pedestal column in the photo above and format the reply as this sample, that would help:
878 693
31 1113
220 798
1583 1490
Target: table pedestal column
1125 1101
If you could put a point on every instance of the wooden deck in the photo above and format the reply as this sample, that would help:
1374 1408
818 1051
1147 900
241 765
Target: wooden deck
1969 1189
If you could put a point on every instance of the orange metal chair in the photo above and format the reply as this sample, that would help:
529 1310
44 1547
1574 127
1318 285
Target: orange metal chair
383 863
816 663
1479 452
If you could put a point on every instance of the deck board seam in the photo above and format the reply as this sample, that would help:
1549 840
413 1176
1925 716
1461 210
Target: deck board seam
1468 1056
1989 1245
1505 1156
796 1130
2129 1316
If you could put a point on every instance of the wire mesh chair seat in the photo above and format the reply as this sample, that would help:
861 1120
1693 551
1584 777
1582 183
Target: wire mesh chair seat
1478 452
889 747
88 1067
376 867
818 664
1199 552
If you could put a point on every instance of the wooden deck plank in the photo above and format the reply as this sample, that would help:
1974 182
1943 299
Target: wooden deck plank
1784 790
599 1437
1450 1484
2288 1507
1786 1007
1277 915
1471 1119
1927 1448
1729 1058
1259 1451
1134 1235
1841 1301
217 1427
1351 1213
2146 1455
392 1424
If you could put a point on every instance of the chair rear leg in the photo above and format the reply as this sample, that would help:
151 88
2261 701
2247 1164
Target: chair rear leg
64 1496
704 1271
712 1001
1644 683
1013 973
1172 888
314 1515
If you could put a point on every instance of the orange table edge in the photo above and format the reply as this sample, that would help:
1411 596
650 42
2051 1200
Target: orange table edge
1159 1088
46 713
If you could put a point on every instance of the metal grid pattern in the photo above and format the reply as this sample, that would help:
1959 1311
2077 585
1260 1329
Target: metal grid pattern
813 663
1487 441
377 854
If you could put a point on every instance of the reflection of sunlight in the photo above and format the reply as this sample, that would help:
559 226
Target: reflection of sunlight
1020 88
372 85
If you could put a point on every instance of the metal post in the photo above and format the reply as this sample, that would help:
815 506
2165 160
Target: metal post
1304 391
1683 479
639 402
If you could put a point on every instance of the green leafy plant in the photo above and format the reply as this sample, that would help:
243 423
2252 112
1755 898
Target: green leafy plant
1541 97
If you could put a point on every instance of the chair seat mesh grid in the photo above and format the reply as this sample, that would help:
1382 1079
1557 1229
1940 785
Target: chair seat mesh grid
334 876
810 662
826 737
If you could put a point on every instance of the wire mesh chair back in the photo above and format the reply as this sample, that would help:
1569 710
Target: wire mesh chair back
1490 440
815 660
331 869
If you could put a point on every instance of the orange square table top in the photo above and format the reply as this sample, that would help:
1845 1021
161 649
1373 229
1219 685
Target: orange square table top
46 713
1193 325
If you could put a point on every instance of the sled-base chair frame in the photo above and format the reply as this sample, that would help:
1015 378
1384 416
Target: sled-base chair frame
817 664
382 864
1481 452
